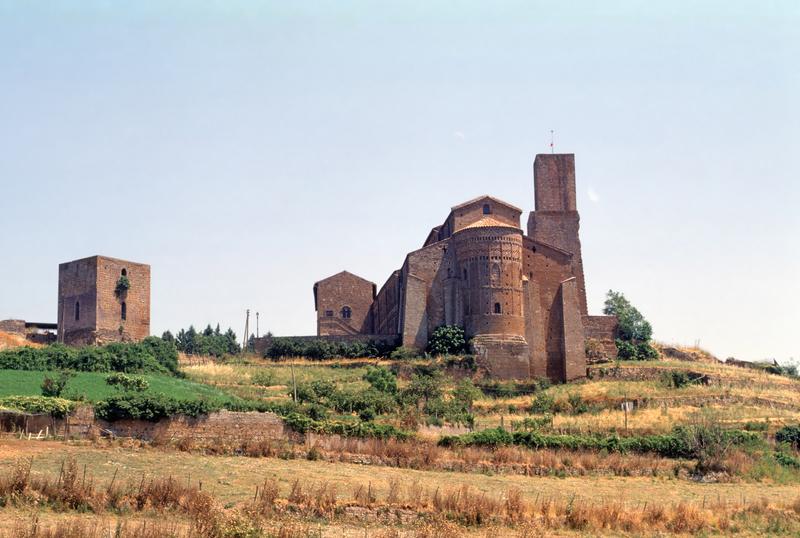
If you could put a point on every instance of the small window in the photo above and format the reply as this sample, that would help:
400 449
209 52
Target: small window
486 209
124 313
329 313
77 310
496 308
124 272
346 312
465 274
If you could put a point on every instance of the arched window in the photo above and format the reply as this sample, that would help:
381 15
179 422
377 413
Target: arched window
124 272
124 312
346 312
465 274
77 310
496 308
486 209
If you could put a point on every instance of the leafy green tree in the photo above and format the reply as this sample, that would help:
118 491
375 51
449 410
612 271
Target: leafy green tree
632 324
381 379
168 337
465 393
447 340
425 386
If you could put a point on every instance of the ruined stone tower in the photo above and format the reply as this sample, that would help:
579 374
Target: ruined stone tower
94 310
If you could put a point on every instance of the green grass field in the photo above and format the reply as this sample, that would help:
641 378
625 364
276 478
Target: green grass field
93 386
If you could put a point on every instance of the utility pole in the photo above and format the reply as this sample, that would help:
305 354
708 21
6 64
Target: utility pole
256 324
246 330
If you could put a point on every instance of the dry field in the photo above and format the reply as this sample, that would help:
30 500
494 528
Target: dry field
319 498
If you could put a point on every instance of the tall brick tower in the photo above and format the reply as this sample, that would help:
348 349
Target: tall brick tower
94 309
555 220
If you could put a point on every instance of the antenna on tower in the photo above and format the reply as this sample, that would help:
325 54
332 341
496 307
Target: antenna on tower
551 143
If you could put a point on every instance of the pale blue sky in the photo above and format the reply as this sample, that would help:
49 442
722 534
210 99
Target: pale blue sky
246 150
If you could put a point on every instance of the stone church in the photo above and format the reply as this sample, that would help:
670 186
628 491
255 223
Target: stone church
521 297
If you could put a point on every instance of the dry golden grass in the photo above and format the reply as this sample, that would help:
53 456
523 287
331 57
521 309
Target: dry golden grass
12 341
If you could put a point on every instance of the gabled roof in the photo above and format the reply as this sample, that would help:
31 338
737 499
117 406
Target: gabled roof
488 222
482 199
343 273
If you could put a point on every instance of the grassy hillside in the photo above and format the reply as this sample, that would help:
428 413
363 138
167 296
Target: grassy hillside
93 386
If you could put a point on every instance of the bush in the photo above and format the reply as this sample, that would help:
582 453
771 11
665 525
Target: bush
150 356
367 415
57 407
646 352
381 379
625 350
318 349
542 404
447 340
788 434
54 387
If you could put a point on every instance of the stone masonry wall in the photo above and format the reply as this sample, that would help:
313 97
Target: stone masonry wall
334 294
224 425
89 310
13 326
136 325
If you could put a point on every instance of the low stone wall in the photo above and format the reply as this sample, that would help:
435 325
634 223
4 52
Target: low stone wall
13 326
224 425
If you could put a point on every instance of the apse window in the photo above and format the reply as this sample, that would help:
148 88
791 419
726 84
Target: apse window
346 312
496 308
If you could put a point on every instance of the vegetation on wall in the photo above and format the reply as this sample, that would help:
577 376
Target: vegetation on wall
123 285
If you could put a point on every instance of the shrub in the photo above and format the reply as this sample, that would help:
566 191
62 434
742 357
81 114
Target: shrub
447 340
788 434
127 384
542 404
367 415
57 407
646 352
150 356
381 379
54 387
625 350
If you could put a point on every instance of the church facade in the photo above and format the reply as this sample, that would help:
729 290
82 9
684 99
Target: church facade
520 296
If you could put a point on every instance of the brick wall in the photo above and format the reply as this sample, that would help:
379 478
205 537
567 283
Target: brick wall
89 310
343 304
13 326
224 425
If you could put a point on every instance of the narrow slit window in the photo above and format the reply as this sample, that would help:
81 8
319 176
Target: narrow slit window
124 272
77 310
496 308
124 312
